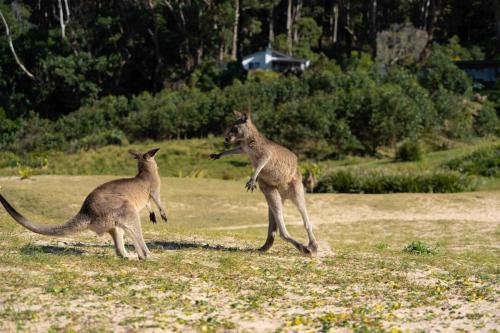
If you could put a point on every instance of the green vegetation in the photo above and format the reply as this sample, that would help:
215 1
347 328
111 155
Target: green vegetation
482 162
347 103
375 181
98 48
189 158
421 248
176 158
409 152
320 115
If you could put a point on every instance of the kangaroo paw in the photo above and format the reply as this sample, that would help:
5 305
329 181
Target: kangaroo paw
152 217
163 216
313 247
250 185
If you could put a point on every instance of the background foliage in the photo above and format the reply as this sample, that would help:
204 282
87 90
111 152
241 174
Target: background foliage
128 71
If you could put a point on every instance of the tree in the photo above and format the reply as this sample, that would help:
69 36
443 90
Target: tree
234 47
496 11
402 44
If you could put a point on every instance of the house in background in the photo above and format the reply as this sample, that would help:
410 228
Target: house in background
270 59
486 72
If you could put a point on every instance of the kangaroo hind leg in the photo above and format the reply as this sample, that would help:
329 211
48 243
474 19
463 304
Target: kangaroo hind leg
131 222
271 233
135 233
117 235
275 203
298 199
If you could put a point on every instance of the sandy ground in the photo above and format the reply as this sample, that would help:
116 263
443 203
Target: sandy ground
450 293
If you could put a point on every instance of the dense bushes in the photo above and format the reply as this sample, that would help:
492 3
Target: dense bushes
373 181
482 162
440 72
409 151
322 113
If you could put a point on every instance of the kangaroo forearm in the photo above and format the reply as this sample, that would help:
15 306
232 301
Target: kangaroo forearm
156 199
157 202
231 152
261 164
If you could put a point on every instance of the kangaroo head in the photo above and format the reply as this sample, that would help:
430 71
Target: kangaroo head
146 161
241 129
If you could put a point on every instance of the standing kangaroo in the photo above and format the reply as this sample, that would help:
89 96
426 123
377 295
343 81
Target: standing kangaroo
112 207
278 177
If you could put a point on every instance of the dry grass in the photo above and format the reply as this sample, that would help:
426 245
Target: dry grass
205 276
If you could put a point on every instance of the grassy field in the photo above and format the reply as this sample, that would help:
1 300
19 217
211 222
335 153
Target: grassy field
189 159
205 275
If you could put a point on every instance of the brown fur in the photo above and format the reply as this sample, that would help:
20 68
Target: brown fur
112 208
277 175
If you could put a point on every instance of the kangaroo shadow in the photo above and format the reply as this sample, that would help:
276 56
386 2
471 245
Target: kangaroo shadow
73 249
70 248
172 245
31 249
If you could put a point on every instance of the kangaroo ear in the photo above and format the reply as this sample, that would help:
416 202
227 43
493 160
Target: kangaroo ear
240 116
134 153
150 153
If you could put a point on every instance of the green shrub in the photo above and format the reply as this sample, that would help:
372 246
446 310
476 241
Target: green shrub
456 118
105 114
420 248
37 134
374 181
8 130
324 113
24 172
482 162
409 151
109 137
412 88
486 121
440 72
298 124
383 115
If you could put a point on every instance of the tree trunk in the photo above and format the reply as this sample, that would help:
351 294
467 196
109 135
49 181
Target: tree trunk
199 54
373 25
334 21
234 50
434 12
154 36
425 12
496 9
289 32
61 20
271 26
221 53
296 18
346 9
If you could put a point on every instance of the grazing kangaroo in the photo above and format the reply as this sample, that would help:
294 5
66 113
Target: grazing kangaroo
112 207
278 177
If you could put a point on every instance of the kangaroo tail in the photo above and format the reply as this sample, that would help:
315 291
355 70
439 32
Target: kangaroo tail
77 223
